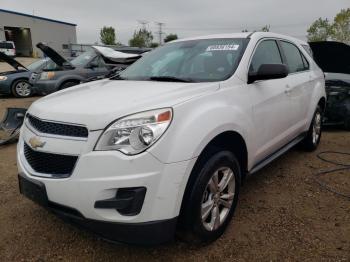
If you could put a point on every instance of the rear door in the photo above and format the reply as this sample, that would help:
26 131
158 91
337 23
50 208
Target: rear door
271 106
299 87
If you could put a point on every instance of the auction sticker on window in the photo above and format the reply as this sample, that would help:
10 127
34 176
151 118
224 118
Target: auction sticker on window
222 48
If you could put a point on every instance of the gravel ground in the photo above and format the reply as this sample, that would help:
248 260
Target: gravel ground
282 215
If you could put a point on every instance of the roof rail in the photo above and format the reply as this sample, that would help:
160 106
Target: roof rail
251 34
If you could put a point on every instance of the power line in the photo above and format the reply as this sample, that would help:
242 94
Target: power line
143 23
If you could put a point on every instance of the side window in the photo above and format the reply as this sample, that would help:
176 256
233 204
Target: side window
99 61
308 50
267 52
305 62
294 60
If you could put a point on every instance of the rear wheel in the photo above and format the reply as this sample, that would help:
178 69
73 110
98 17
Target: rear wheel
22 88
314 133
210 203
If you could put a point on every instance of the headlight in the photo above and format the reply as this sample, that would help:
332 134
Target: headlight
135 133
3 78
47 75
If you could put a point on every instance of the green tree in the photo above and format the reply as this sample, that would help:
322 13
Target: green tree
320 30
141 38
170 37
107 35
341 26
154 45
266 28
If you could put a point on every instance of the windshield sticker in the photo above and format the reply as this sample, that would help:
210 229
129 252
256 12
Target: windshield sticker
222 48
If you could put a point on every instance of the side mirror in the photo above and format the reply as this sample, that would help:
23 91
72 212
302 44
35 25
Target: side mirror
268 71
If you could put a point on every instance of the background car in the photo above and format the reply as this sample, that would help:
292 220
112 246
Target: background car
16 82
334 59
8 48
92 64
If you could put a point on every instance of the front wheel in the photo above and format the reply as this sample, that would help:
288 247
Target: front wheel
210 203
313 137
22 88
347 123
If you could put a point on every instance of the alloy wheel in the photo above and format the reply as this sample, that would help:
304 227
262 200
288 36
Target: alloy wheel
218 198
316 129
23 89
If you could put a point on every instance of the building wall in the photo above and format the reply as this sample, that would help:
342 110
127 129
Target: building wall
52 33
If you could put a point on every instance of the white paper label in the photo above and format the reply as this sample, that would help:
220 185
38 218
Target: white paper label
222 48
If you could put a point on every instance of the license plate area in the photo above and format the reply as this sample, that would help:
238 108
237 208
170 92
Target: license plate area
34 190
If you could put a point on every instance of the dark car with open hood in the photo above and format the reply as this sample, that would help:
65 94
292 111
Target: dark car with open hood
334 59
95 63
16 82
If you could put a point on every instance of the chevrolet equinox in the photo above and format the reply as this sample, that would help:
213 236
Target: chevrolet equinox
164 146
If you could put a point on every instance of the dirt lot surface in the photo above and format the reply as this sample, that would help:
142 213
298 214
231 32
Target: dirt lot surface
282 215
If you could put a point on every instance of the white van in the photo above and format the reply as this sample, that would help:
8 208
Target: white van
8 47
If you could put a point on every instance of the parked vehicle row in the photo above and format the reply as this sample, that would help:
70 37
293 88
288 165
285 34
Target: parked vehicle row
165 145
16 82
55 72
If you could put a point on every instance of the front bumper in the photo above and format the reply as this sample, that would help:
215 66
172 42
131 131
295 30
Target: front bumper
148 233
5 87
99 175
45 87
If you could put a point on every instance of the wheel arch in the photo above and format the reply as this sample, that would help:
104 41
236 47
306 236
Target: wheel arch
229 140
73 80
322 103
15 80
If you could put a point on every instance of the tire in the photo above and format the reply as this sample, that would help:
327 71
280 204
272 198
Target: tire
313 137
21 88
68 84
202 200
347 123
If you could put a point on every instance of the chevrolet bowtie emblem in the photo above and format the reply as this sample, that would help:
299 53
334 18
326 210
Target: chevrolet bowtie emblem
35 142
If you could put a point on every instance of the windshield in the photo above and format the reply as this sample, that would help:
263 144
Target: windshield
190 61
43 64
84 58
6 45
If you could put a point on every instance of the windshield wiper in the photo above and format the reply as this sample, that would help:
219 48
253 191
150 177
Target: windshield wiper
170 79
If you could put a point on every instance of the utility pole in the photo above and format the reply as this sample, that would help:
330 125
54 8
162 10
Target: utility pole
160 32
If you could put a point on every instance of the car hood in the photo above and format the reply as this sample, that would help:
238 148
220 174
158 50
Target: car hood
56 57
97 104
12 62
332 57
116 56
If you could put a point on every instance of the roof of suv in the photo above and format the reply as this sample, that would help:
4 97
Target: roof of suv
256 35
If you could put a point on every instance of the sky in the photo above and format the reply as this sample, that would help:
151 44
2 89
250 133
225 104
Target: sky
184 17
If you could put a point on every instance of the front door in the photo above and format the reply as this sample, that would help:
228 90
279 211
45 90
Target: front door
271 105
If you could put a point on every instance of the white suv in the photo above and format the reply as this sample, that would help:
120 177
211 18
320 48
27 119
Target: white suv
165 145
